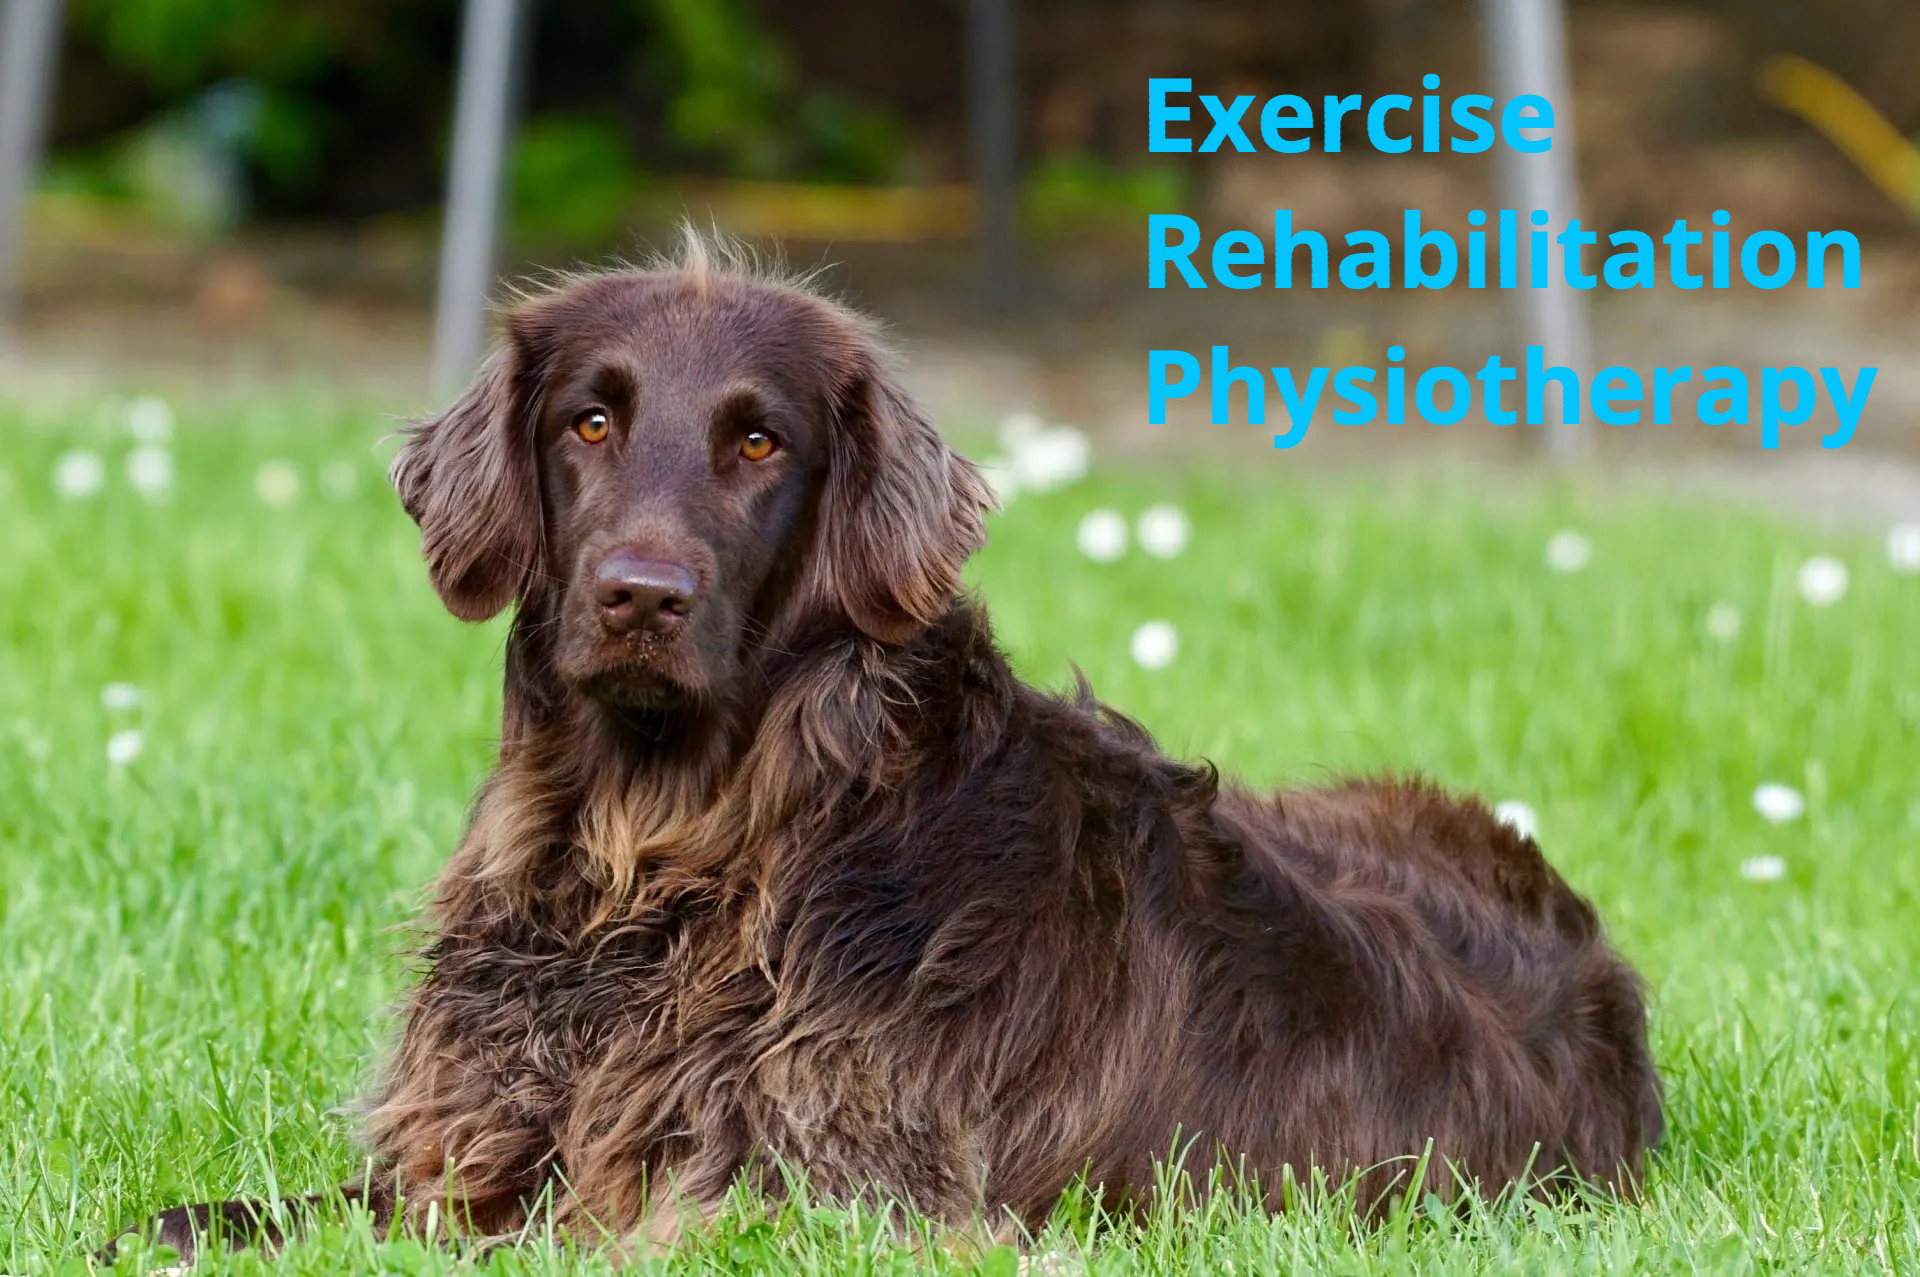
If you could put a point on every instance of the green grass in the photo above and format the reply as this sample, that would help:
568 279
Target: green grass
195 949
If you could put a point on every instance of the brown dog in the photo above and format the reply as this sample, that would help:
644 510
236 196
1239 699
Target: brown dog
782 864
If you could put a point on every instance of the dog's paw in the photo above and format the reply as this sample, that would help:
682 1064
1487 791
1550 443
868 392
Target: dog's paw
235 1224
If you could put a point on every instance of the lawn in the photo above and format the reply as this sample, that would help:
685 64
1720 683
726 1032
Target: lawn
201 924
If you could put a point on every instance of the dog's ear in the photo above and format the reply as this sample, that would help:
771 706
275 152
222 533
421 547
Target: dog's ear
468 479
901 511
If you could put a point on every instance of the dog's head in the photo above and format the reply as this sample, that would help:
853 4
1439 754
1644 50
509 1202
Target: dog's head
675 467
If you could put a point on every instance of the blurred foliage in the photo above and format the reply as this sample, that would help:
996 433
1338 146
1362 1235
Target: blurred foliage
240 83
570 181
851 142
737 98
1071 191
286 140
187 168
731 76
358 92
179 43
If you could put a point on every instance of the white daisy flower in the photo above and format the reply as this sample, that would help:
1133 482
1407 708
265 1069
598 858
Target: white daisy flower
1518 817
1822 580
1568 551
278 483
1903 547
119 697
1778 804
150 470
1163 531
1102 536
1016 428
1762 868
125 746
150 419
1051 458
1154 645
1723 622
79 474
1054 1263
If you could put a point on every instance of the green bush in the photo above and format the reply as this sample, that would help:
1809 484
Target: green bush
570 181
1071 191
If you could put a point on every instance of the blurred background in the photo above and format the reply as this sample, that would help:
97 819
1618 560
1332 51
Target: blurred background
238 731
238 191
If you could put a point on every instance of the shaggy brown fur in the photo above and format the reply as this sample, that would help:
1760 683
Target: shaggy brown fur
809 876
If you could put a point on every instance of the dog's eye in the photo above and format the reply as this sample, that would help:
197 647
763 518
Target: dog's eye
592 425
757 446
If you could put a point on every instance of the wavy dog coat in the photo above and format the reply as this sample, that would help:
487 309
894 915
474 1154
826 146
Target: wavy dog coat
864 904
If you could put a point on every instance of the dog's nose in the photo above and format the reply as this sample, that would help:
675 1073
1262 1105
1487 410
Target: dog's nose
642 594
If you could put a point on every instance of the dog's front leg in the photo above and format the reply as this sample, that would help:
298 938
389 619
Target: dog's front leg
251 1222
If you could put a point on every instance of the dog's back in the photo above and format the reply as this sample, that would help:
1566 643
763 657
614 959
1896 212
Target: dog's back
1460 990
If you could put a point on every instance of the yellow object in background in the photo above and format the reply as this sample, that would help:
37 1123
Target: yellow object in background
787 210
1849 121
